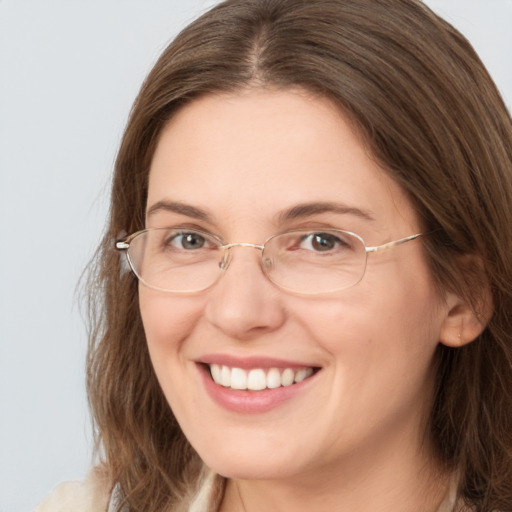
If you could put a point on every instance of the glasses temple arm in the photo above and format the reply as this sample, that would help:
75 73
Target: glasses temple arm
394 243
122 245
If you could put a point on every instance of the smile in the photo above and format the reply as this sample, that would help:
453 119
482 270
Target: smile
257 379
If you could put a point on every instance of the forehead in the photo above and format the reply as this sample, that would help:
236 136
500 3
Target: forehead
260 151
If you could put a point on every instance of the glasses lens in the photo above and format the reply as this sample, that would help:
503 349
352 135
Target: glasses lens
177 260
306 261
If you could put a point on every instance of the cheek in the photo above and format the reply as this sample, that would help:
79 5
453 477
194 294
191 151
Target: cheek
167 321
389 320
404 296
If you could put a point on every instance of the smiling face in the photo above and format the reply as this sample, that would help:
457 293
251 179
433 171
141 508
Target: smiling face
246 167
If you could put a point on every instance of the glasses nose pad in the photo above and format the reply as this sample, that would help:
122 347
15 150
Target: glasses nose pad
224 262
267 264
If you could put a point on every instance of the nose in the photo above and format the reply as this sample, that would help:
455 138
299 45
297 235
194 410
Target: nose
244 304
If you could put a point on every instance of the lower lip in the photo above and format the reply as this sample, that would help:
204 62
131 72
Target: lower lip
250 402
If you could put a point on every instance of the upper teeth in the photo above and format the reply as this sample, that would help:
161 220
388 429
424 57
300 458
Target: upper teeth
257 378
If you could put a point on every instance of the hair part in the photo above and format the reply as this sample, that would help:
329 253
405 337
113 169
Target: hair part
428 111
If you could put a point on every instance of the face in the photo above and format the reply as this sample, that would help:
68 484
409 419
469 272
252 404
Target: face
236 166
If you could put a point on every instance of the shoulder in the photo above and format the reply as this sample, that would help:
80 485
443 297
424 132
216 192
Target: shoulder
89 495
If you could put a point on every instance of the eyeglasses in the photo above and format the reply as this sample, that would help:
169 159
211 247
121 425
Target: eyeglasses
304 261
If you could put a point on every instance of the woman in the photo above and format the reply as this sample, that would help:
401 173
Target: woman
314 198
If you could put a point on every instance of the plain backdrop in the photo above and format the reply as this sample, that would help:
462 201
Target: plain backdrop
69 71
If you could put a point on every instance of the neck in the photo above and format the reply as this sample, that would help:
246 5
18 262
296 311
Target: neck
390 482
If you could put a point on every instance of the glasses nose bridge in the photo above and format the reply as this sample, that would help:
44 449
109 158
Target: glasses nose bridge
243 244
226 258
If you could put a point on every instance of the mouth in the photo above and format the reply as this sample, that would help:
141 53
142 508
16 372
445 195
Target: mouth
256 384
258 379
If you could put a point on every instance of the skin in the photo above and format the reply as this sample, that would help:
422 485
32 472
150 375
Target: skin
352 439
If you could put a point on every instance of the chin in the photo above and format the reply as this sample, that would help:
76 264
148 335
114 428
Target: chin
249 470
252 463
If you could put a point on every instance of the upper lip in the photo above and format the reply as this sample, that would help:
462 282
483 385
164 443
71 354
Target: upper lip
252 362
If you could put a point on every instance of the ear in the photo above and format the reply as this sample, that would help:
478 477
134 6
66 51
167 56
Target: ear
463 322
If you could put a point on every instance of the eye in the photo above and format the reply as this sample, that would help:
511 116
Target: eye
322 242
187 240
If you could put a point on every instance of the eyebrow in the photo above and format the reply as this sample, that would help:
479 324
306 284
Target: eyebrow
308 209
178 207
296 212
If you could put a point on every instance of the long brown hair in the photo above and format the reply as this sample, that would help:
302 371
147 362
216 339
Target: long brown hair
430 114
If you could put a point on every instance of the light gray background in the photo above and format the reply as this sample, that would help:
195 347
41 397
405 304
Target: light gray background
69 71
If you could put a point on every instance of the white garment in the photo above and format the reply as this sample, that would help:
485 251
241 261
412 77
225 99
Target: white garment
89 495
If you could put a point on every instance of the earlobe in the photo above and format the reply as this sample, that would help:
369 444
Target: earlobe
462 323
